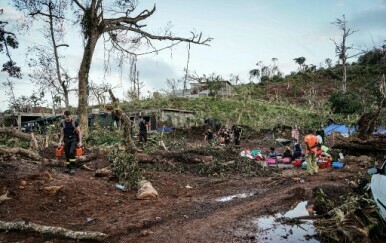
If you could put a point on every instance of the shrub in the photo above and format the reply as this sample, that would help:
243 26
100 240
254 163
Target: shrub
125 167
345 102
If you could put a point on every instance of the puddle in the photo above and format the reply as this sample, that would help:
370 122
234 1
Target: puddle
271 231
230 198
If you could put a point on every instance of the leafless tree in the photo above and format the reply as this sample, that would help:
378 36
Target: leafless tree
48 73
342 48
125 33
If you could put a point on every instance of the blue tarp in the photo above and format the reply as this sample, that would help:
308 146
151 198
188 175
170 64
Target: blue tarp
341 128
381 130
165 129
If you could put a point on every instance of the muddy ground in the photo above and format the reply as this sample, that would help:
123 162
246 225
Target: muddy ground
181 214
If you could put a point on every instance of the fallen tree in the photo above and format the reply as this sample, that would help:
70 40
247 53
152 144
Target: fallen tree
371 143
11 132
52 231
8 152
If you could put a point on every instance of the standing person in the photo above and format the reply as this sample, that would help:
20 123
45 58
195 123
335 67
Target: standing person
311 148
237 134
208 136
142 130
295 133
71 135
227 135
320 139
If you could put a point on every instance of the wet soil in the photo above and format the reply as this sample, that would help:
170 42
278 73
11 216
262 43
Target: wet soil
189 208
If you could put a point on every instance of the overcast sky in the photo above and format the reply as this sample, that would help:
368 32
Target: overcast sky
244 32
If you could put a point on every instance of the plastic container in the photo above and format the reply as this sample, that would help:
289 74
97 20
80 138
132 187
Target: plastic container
324 163
271 160
79 151
59 151
286 160
337 164
121 187
304 165
297 162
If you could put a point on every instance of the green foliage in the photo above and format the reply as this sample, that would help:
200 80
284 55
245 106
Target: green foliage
352 218
100 136
345 102
12 142
125 167
257 115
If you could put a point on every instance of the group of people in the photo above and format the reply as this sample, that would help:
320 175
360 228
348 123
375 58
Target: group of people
313 141
225 135
293 154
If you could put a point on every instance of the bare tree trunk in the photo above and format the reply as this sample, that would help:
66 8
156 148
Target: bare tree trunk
344 69
83 80
55 48
186 71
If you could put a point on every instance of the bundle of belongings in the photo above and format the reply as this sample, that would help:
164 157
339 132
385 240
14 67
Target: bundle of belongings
252 154
324 159
286 158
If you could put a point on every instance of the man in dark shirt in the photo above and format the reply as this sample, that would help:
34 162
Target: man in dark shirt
142 130
209 136
237 135
71 134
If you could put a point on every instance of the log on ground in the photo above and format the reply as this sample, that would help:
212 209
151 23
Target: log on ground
5 151
52 231
356 143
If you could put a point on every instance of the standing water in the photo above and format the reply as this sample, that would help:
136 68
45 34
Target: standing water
271 231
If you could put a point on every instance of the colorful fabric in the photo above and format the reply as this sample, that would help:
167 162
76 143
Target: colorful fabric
312 141
312 164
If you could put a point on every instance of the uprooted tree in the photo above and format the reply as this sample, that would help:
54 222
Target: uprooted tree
366 126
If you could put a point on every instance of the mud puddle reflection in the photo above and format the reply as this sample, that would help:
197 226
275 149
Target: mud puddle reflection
230 198
270 230
239 196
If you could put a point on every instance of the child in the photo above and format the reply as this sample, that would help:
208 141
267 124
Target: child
272 153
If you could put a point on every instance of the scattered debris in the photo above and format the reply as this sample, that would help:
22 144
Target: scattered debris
4 197
104 172
146 191
121 187
22 184
52 189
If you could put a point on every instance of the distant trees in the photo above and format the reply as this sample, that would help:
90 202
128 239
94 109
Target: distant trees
265 73
301 62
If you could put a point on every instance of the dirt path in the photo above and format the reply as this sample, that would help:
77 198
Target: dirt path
88 203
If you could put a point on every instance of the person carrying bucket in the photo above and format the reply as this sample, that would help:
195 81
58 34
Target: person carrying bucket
71 135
